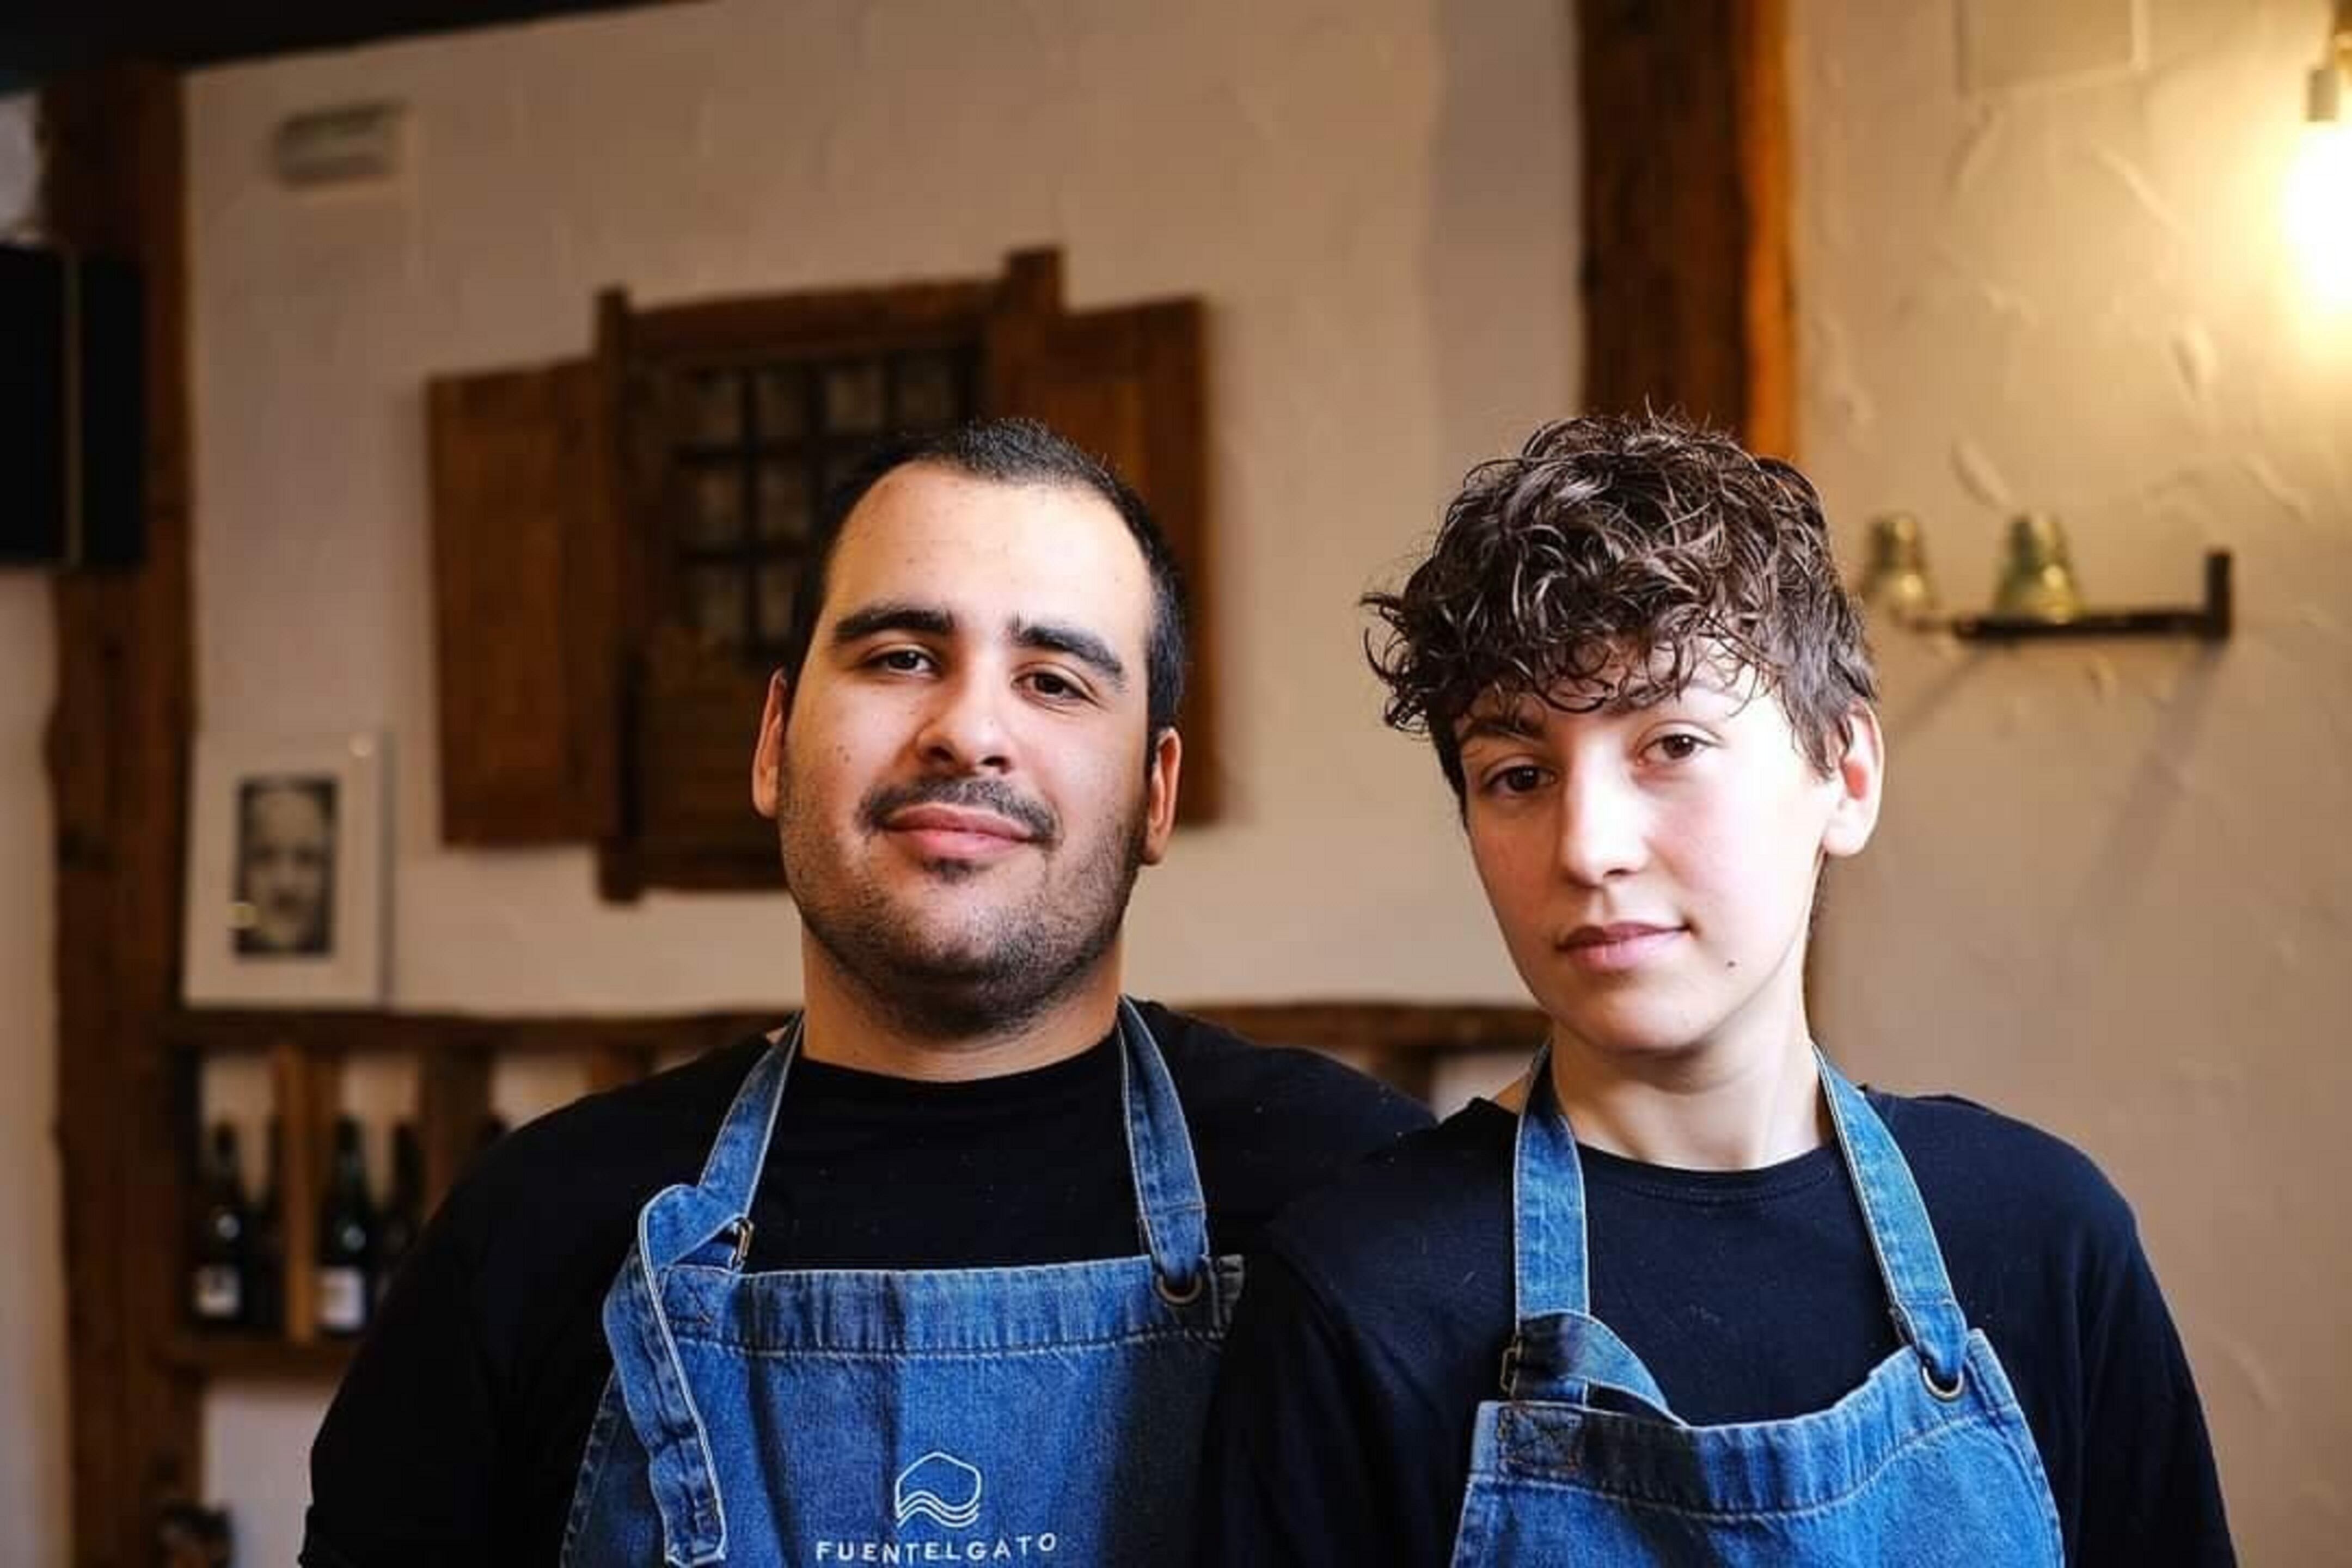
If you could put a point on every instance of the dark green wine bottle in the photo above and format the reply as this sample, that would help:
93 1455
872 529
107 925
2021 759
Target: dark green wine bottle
218 1257
347 1231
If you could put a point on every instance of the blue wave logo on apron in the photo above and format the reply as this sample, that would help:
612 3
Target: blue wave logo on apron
924 1488
946 1492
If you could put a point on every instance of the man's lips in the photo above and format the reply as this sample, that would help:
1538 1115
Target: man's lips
1618 946
955 832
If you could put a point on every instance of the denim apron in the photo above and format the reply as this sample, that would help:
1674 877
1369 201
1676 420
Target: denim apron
1928 1462
1047 1415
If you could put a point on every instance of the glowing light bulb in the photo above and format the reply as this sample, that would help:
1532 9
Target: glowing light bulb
2319 212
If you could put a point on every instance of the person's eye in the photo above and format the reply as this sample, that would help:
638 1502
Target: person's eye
1677 746
1518 779
900 660
1054 687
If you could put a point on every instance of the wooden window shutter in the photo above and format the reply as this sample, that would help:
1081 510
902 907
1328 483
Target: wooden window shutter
1128 385
525 582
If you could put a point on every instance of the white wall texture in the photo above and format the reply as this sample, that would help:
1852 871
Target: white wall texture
1376 199
33 1499
2110 892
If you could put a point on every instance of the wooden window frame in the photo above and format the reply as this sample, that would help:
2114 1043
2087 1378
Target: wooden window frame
578 704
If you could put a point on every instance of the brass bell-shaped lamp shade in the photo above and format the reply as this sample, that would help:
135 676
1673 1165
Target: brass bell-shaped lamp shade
2037 579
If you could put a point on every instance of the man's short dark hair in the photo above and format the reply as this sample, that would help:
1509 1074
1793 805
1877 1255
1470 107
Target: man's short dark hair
1012 452
1617 552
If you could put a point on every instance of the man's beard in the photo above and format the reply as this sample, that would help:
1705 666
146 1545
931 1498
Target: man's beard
1003 968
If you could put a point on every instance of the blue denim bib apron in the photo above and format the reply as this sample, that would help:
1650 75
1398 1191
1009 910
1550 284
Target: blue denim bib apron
1928 1462
1048 1415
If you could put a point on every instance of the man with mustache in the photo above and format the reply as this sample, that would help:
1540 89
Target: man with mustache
940 1270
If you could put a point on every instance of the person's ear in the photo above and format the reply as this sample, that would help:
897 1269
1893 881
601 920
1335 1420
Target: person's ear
768 751
1159 793
1860 777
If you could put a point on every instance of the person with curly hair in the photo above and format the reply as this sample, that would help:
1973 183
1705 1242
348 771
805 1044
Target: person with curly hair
1685 1294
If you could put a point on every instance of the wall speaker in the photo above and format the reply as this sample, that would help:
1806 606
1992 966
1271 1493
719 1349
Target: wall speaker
73 445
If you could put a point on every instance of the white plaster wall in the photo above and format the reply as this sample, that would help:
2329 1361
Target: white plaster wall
33 1500
2110 892
1376 197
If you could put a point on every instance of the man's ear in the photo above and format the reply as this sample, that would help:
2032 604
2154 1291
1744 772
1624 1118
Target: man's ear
1159 793
767 752
1860 777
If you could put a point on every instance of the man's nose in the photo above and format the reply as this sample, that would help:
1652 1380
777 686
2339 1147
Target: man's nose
964 728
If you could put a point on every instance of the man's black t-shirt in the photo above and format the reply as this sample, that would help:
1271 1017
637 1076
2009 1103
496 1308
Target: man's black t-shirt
1375 1324
456 1434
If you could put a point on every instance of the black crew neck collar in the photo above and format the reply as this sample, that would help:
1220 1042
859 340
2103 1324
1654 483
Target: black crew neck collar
837 1082
1681 1185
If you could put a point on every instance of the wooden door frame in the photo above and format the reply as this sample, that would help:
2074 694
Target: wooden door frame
113 179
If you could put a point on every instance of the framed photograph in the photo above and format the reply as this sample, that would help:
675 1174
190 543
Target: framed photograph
285 871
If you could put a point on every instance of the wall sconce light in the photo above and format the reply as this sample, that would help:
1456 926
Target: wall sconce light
2319 188
2037 581
2037 595
1895 583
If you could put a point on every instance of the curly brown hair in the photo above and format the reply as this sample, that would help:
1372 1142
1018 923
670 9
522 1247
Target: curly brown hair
1610 560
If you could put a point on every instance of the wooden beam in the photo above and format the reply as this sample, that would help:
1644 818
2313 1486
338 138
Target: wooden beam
307 1089
1688 292
118 758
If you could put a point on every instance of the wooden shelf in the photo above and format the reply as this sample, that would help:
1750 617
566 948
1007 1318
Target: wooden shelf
2209 622
258 1358
231 1031
306 1051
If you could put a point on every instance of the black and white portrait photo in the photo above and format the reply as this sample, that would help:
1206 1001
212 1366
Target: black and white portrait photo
285 866
286 871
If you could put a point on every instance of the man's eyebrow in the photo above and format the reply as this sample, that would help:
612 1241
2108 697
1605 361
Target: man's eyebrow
1054 636
892 616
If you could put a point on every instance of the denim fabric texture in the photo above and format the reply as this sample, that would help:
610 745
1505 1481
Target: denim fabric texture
1042 1415
1929 1462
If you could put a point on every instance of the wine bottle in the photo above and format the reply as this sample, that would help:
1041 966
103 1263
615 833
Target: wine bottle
403 1213
347 1226
265 1257
217 1283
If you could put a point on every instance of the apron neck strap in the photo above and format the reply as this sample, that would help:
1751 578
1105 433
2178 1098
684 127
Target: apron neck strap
1170 1213
1552 1274
1918 1290
730 1172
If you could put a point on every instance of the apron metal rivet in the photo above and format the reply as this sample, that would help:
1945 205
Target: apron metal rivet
1188 1294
